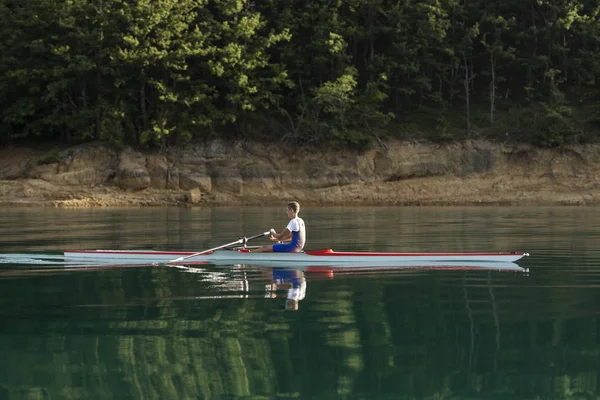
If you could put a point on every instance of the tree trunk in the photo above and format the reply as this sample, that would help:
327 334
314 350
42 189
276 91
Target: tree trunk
98 112
467 99
143 111
65 133
565 61
492 88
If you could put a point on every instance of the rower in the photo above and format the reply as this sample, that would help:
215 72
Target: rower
292 238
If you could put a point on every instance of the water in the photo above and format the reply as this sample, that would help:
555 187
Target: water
235 332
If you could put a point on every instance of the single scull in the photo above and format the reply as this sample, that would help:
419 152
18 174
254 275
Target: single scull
316 257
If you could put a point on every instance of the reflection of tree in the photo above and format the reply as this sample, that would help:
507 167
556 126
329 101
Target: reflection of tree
496 319
440 335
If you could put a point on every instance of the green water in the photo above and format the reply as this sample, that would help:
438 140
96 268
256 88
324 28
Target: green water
211 332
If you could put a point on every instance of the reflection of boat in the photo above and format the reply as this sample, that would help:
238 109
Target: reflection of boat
275 282
317 257
379 266
233 282
330 270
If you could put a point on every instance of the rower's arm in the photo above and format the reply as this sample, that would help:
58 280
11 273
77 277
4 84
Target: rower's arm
283 236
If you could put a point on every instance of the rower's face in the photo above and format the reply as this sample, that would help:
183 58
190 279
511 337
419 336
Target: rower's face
290 212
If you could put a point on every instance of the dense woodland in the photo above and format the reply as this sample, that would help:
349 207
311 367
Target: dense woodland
163 72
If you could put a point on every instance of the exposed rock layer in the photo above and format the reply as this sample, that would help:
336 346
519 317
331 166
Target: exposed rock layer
219 173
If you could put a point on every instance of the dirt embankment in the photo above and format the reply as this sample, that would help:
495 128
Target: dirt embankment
219 173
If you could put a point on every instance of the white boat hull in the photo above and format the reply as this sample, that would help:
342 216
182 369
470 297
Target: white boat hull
321 257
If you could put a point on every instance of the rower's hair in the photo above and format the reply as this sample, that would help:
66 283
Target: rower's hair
294 206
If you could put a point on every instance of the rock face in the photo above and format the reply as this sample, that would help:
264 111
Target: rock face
131 171
157 167
219 173
189 180
194 196
88 165
226 178
259 175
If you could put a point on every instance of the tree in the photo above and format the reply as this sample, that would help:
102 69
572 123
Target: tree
493 28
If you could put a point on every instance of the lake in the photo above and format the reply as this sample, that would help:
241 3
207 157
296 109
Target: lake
248 332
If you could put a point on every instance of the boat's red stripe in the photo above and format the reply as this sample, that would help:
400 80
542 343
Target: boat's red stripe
327 252
330 252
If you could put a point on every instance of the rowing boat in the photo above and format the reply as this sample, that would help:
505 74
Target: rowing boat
315 257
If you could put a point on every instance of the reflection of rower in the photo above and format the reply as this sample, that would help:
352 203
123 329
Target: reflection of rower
294 281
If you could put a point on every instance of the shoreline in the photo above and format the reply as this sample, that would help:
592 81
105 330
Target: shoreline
217 174
157 199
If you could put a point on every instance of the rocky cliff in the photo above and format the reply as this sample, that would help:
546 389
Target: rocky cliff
220 173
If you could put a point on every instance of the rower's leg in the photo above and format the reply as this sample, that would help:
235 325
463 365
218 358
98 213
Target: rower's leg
264 249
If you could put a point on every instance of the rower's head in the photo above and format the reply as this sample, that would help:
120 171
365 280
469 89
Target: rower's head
293 207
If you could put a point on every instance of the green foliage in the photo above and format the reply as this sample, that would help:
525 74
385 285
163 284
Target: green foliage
549 124
48 159
151 72
336 97
554 125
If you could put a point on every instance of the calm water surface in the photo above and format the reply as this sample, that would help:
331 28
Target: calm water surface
247 332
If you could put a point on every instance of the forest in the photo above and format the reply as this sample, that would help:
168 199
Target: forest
156 73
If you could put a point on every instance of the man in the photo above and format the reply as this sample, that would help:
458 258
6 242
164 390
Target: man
292 237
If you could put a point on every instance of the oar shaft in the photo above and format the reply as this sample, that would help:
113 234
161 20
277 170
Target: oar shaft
257 236
239 241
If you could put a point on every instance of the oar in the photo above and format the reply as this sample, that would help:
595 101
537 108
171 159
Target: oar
242 240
